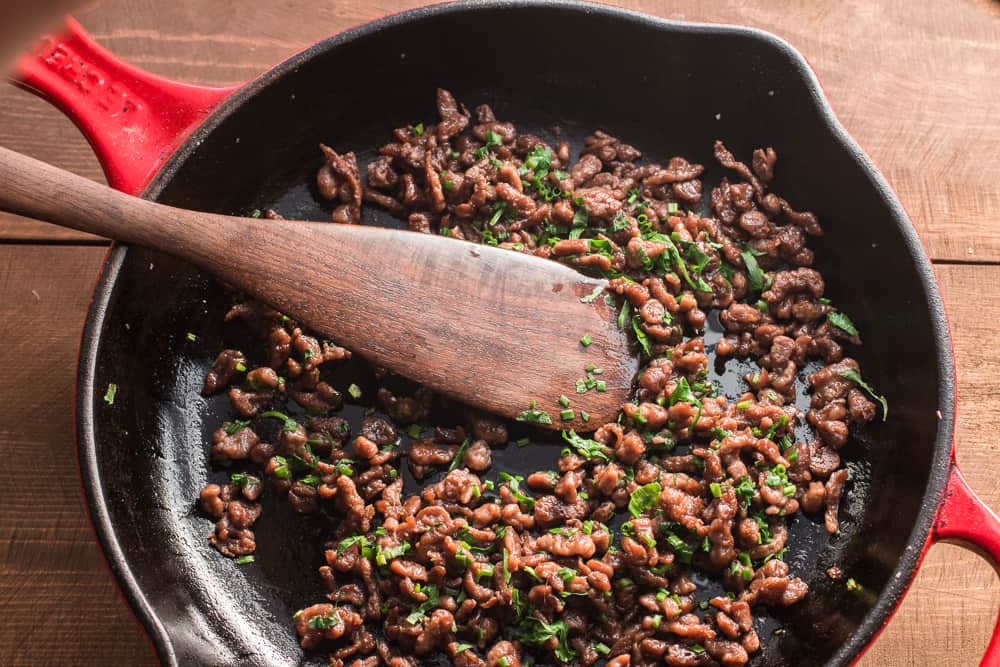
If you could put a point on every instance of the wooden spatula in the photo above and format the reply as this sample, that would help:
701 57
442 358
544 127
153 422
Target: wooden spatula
496 329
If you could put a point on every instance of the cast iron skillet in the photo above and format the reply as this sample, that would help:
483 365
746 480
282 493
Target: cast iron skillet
669 88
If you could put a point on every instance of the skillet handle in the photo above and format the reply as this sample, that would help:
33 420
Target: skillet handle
964 519
134 120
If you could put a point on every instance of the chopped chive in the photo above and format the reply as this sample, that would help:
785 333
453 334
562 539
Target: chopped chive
191 337
418 129
109 395
743 405
521 442
584 416
355 391
586 340
716 489
601 385
563 401
593 295
241 367
567 415
243 560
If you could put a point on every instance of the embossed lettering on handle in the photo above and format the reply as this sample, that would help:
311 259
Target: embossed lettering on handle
133 119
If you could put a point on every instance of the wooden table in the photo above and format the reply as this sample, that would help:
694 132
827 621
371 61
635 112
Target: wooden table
917 84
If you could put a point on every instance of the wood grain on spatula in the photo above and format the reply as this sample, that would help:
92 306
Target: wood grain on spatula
494 328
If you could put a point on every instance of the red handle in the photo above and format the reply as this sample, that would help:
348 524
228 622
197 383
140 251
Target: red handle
133 119
964 519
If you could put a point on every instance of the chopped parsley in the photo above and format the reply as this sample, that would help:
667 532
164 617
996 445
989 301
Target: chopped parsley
533 630
644 498
290 424
593 295
754 272
855 377
641 335
842 322
460 454
585 447
534 416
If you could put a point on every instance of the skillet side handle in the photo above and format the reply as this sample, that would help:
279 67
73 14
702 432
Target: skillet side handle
134 120
964 519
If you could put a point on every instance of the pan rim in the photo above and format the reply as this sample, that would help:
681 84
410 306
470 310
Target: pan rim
906 567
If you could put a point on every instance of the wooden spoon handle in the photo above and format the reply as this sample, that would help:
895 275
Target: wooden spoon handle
494 328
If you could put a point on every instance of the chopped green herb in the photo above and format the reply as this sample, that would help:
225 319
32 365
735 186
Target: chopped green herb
522 442
754 272
418 129
191 337
290 424
281 470
579 223
514 485
593 295
460 454
563 401
600 385
854 586
462 648
697 648
535 631
244 560
241 367
641 336
585 447
567 415
355 391
584 416
842 322
644 498
586 340
534 416
109 395
743 405
234 426
602 649
624 316
855 377
716 489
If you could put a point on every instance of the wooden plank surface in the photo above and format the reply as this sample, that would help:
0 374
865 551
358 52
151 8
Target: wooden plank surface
917 84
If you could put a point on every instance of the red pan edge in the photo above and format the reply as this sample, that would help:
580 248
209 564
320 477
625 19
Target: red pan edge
137 121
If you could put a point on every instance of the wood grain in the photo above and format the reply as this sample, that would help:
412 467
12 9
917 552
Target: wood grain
57 597
403 307
918 84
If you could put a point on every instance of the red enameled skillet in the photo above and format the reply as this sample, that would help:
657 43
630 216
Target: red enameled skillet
666 86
